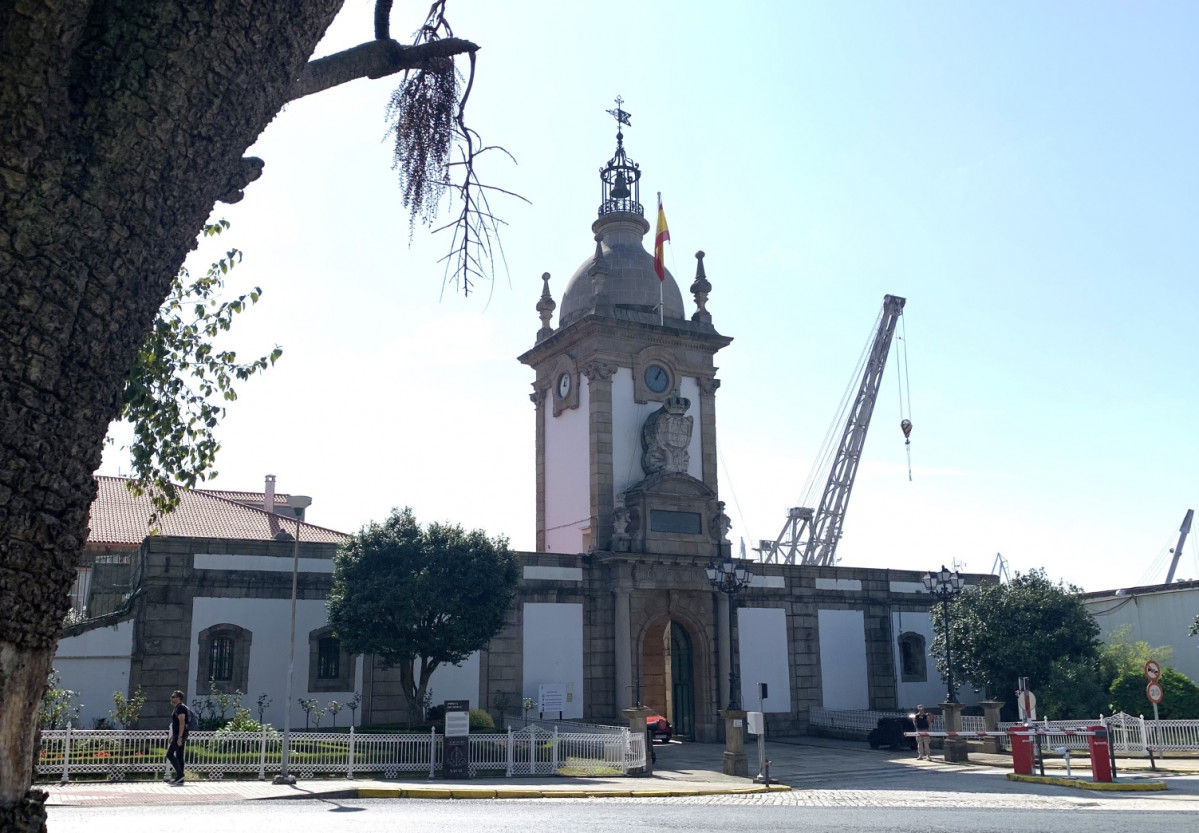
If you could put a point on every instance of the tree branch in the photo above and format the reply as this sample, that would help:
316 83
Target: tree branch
374 59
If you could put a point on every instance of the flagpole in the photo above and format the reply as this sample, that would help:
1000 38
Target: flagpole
661 279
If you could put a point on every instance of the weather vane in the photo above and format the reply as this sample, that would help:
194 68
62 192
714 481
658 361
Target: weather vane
620 115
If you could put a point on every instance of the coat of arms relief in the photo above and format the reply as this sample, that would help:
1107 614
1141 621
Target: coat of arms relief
665 437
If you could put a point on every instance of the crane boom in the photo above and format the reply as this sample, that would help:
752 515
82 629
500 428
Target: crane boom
823 527
1182 539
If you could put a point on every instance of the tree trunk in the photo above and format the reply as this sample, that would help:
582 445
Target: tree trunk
121 123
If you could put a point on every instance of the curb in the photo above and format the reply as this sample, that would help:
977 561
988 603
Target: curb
505 792
1105 786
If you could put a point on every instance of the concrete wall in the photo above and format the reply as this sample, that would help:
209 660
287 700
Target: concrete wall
553 652
1160 615
567 475
95 664
765 657
843 659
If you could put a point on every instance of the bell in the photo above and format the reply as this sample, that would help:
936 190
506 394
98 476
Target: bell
620 190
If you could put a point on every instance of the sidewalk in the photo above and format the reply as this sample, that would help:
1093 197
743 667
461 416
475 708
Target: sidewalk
684 770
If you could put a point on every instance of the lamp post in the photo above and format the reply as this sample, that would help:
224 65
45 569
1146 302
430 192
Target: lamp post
945 586
730 578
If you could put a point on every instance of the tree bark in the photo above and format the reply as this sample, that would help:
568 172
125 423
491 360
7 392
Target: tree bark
374 59
121 124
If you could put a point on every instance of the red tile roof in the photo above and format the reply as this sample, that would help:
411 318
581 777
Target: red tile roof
253 498
117 517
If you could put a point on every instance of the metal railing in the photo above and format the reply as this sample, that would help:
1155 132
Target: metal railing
119 754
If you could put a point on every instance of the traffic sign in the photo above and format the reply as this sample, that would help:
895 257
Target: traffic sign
1152 670
1154 692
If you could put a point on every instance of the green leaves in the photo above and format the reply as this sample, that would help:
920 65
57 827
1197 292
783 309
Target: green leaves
420 596
174 392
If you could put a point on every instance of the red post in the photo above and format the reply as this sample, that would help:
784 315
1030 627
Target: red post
1101 761
1022 757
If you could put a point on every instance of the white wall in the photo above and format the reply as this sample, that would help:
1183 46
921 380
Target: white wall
843 659
1162 617
269 620
762 650
932 690
455 682
553 652
567 474
95 664
627 418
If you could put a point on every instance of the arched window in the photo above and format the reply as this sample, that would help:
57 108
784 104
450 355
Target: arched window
223 654
330 667
913 658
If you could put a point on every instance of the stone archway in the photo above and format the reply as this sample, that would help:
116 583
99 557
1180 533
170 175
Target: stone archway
670 673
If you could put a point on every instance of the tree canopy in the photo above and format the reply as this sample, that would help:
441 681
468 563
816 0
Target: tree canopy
1029 627
420 598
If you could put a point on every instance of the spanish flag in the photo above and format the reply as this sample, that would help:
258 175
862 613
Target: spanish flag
660 242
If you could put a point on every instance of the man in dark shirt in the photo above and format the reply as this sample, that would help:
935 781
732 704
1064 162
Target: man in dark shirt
175 746
924 722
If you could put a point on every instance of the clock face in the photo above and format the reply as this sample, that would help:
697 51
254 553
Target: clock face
656 378
563 385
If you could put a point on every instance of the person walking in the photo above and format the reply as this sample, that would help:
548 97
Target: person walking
923 722
178 741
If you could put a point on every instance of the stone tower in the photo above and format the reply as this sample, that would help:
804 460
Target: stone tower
625 393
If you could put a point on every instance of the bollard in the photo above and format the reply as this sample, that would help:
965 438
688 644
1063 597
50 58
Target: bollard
1100 754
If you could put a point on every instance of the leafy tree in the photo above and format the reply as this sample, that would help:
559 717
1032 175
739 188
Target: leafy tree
420 598
1180 696
1024 628
1119 655
124 123
174 393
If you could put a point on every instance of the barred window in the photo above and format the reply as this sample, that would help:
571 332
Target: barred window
220 659
329 658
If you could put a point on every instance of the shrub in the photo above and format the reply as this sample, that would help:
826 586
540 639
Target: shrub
1180 696
480 721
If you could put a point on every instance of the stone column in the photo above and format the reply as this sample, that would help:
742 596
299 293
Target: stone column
599 391
955 748
991 724
624 652
734 744
724 641
636 718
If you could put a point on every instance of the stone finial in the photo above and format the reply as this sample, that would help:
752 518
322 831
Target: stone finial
700 289
599 273
620 526
545 308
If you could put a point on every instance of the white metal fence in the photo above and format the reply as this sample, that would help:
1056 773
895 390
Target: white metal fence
530 751
1129 735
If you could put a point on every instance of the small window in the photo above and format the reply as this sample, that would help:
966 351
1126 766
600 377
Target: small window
220 659
913 658
328 663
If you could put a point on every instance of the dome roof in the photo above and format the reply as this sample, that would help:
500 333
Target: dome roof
630 285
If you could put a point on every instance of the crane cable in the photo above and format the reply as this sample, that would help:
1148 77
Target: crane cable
905 384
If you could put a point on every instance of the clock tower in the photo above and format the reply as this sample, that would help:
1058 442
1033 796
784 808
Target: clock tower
625 395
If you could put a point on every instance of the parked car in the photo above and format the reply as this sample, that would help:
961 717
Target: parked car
659 728
889 732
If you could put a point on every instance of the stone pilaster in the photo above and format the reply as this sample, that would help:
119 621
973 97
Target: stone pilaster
538 397
624 649
599 390
707 428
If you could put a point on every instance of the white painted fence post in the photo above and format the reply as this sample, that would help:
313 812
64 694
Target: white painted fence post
66 756
511 749
532 751
262 755
554 752
350 770
432 750
1144 735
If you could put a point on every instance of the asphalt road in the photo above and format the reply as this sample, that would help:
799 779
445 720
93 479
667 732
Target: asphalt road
658 815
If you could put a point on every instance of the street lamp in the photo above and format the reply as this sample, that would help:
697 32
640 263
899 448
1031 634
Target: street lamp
730 578
945 586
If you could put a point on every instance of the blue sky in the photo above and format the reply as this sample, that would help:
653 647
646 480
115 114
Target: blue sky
1023 173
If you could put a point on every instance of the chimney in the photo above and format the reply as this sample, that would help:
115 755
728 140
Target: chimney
268 499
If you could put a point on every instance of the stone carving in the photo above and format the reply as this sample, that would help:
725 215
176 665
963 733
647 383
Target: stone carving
721 524
599 371
708 384
665 437
620 526
700 289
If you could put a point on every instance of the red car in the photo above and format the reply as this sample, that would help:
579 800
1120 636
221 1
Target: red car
659 728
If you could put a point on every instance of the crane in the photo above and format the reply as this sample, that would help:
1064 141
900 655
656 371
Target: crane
812 535
1183 531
